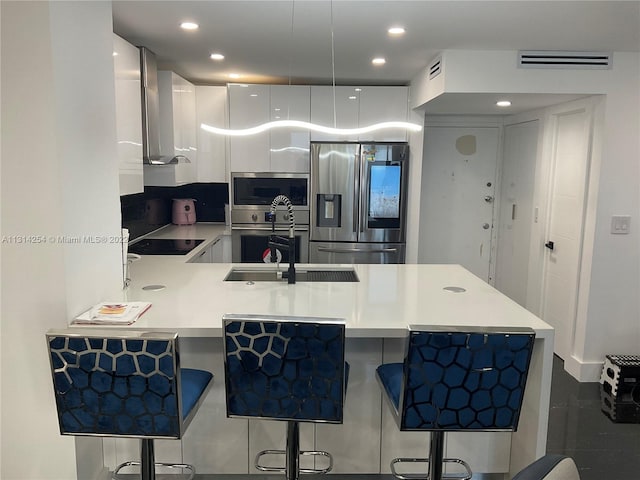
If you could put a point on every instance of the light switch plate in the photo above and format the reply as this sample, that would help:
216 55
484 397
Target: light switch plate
620 224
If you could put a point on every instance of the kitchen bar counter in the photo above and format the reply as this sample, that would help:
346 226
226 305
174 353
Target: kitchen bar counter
377 310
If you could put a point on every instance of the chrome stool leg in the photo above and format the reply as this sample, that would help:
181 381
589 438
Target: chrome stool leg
292 460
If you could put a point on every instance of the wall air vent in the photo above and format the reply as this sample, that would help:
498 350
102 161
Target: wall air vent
563 59
435 68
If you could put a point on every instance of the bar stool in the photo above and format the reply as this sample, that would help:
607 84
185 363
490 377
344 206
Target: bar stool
460 379
124 384
286 368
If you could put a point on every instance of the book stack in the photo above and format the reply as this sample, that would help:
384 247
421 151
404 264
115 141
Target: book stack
112 313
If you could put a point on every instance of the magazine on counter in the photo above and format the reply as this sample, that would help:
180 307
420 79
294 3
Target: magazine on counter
112 313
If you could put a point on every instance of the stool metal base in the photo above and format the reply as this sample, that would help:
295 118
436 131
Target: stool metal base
148 465
422 476
436 462
292 455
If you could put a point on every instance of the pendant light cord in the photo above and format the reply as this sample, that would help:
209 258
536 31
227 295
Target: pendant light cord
293 9
333 69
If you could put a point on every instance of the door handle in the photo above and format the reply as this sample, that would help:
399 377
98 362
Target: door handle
549 245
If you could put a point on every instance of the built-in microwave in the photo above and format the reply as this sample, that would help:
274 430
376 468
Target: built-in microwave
249 190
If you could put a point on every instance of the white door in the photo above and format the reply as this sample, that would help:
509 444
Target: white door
458 185
520 148
569 160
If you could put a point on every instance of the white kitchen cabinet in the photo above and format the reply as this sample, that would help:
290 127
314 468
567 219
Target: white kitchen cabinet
218 252
177 132
126 67
211 109
383 104
347 105
249 107
289 147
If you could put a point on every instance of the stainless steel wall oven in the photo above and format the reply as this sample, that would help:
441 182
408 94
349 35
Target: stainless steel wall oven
251 197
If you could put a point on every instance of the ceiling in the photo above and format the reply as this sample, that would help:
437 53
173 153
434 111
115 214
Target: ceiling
290 41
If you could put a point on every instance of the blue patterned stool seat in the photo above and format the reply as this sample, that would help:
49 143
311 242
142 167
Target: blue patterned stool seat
457 379
123 383
285 368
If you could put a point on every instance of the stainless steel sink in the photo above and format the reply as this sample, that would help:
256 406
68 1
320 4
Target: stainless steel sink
240 274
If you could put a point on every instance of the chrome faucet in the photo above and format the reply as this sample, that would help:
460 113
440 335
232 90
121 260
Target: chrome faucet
288 244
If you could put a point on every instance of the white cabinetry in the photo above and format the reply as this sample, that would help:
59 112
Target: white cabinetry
279 149
126 66
218 252
177 132
346 111
383 104
211 109
249 107
289 147
357 107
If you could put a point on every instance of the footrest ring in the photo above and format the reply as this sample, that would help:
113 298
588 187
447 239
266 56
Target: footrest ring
268 468
192 470
414 476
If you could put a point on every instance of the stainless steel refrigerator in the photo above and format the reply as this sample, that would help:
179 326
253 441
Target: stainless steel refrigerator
358 202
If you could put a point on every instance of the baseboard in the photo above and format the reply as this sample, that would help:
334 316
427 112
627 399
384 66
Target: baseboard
583 371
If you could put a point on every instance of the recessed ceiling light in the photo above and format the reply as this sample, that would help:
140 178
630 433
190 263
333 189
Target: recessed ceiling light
503 103
276 109
234 75
352 97
189 26
357 89
115 54
253 94
378 61
217 56
396 31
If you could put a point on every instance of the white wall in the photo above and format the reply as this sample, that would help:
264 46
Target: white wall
59 178
608 304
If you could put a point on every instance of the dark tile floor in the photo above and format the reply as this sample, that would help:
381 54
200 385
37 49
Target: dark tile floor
602 449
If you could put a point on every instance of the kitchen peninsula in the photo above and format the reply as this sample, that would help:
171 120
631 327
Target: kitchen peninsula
377 310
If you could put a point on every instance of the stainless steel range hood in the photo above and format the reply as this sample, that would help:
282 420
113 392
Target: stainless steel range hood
151 153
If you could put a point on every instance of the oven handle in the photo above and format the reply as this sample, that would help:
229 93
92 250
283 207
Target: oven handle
283 228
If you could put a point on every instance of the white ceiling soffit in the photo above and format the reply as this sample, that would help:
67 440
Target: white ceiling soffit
564 59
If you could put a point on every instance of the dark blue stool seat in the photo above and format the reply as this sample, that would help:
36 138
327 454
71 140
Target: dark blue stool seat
123 383
459 379
286 368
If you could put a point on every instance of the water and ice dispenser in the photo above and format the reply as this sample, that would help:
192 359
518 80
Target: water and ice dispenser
329 208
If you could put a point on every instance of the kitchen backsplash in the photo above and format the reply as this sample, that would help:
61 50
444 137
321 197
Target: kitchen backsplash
145 212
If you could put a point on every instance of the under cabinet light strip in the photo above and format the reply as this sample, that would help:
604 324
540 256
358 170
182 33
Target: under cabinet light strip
309 126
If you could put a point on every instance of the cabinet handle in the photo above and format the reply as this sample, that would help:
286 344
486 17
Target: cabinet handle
214 243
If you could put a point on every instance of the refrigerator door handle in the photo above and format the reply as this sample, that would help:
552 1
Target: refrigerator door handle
356 193
363 197
356 250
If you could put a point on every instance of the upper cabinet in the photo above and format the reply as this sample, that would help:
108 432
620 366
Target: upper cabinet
211 109
280 149
249 107
289 147
347 104
383 104
177 132
126 66
357 107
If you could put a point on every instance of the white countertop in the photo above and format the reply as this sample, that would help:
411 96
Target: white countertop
385 300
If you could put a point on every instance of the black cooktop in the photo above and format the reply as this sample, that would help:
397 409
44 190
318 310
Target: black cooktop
164 246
